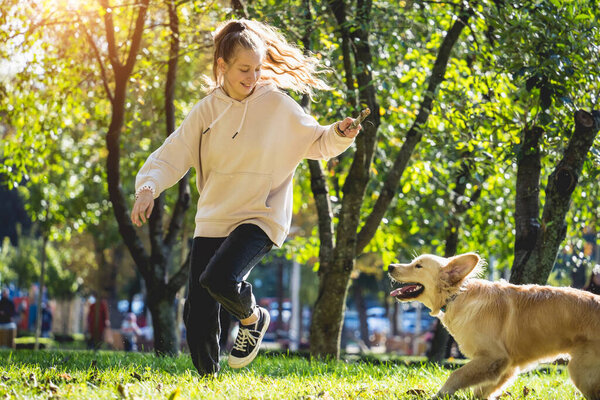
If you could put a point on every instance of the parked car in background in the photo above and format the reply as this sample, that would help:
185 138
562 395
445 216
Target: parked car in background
379 322
409 323
272 305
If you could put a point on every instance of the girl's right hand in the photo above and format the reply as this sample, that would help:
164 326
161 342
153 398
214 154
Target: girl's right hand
142 208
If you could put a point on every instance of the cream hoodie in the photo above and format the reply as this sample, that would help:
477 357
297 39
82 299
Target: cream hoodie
250 150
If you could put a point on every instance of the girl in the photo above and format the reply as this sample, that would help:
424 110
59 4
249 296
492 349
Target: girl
245 140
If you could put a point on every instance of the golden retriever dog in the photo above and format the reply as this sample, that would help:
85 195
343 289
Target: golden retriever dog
502 328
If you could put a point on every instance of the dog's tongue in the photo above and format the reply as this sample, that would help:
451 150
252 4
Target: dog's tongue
402 290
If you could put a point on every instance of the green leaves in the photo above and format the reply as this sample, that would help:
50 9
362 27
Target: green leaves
21 265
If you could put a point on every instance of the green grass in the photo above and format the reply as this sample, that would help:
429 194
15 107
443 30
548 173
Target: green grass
114 375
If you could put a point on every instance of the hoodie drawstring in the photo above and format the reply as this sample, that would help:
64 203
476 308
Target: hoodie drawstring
223 113
218 118
242 121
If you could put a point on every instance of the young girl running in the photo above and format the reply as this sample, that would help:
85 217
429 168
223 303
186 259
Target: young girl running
245 140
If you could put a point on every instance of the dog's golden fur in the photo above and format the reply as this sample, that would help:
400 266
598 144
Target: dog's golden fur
505 328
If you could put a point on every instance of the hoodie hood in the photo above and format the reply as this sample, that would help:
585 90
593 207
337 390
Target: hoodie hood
260 90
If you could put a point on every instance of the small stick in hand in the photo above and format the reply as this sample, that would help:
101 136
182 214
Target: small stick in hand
363 114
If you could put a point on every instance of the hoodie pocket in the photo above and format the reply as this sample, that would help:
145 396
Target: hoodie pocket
234 196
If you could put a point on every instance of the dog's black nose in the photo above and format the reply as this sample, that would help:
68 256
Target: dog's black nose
390 267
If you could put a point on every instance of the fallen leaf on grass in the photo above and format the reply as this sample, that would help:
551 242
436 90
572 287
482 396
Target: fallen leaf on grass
65 377
123 390
175 394
92 375
416 392
52 387
325 395
526 391
33 380
136 376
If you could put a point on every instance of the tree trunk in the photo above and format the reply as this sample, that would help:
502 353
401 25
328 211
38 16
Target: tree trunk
38 318
538 263
361 307
326 324
111 285
439 344
394 319
294 331
166 333
154 267
527 203
334 277
280 299
579 274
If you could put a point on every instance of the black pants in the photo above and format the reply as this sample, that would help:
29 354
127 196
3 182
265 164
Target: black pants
218 269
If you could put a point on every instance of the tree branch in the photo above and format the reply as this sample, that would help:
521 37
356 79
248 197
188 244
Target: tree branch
353 188
339 11
318 180
559 189
179 278
113 57
183 196
239 7
102 68
115 191
137 36
414 135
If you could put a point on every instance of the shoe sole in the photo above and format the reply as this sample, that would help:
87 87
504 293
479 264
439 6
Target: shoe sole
245 361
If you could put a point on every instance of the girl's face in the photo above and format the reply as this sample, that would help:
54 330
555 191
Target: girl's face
241 74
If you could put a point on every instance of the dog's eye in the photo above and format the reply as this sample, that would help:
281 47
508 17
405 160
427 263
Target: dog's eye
418 266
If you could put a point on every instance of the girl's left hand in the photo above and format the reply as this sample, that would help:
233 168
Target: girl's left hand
350 133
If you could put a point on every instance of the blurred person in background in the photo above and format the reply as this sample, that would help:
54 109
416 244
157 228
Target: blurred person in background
594 285
7 308
130 331
46 320
97 322
8 329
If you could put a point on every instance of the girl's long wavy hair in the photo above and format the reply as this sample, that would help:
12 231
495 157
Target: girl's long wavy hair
285 65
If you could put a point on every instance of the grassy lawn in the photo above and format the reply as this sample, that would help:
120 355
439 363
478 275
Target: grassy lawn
114 375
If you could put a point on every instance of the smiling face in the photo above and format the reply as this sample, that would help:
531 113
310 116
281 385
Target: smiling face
430 279
416 279
241 74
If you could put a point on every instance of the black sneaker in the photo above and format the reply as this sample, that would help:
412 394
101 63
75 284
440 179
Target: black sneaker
248 341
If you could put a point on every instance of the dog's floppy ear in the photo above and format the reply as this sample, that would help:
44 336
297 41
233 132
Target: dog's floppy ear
459 267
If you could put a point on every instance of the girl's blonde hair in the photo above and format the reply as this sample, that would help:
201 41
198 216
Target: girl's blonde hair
285 64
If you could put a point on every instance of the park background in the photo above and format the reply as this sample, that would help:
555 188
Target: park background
482 138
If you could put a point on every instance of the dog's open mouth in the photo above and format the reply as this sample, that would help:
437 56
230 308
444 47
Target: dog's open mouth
407 291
